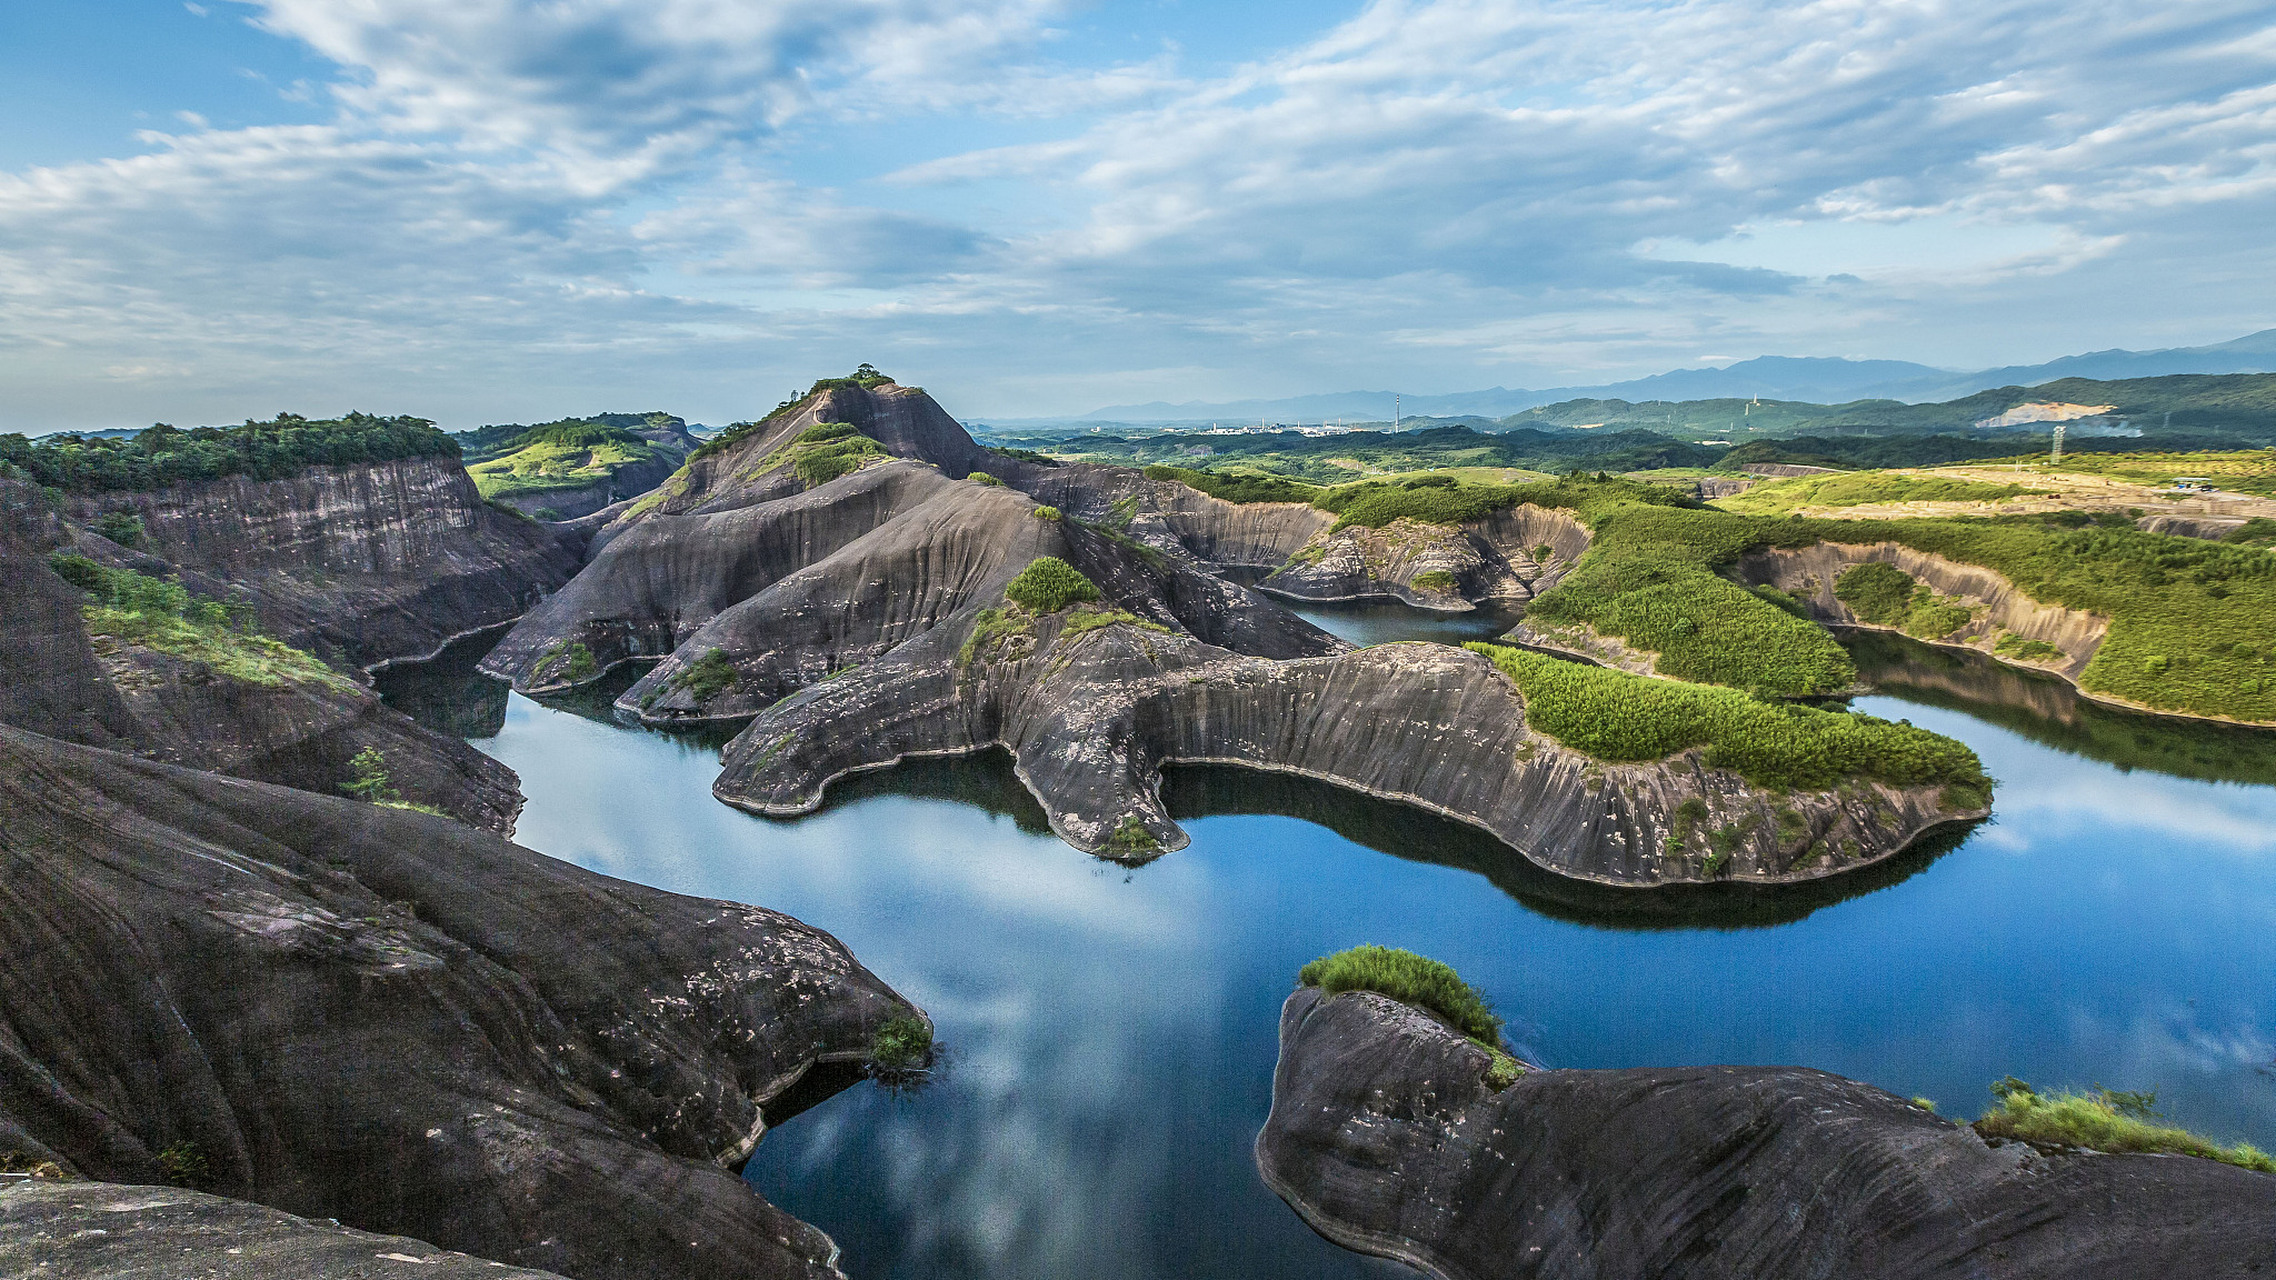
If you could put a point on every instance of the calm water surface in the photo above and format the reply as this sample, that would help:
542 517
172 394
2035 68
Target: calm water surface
1110 1033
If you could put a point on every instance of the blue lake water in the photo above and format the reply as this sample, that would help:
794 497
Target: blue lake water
1111 1033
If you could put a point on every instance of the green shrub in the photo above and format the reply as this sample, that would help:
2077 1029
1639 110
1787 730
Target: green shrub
902 1044
1049 584
1434 580
121 527
982 477
1859 488
1028 455
1085 620
1130 836
993 625
1411 979
2014 646
1887 596
2101 1120
1616 715
1047 513
569 659
367 777
707 677
1238 486
185 1165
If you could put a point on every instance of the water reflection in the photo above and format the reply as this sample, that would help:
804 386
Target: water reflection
1366 622
2045 709
445 693
1113 1031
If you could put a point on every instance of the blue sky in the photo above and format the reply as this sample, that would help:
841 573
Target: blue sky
488 210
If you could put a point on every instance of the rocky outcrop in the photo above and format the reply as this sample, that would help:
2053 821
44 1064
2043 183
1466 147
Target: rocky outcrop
2213 528
301 730
391 1019
103 1231
1091 717
357 564
1514 555
1809 574
1386 1138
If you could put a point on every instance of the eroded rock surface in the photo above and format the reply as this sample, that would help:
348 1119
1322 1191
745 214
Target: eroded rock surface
104 1231
1510 555
1385 1137
398 1021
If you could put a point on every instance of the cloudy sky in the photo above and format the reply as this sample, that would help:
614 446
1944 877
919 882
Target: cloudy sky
488 210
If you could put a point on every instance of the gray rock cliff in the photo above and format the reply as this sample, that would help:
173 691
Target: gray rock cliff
1385 1137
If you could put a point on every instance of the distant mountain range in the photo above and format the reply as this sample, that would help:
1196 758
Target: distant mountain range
1819 380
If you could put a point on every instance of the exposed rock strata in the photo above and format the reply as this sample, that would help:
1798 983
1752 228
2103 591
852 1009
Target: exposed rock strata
1500 556
1384 1136
356 563
1809 573
400 1022
1091 721
102 692
104 1231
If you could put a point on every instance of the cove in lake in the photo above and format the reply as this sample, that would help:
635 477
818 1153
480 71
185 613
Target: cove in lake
1110 1032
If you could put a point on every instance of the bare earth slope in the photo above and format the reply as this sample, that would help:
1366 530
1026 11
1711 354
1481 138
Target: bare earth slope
398 1021
1384 1136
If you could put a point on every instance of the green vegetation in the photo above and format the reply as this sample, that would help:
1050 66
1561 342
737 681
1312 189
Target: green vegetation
2260 531
1028 455
1130 836
1860 488
1046 512
823 452
1088 618
982 477
185 1165
1434 580
571 661
367 778
570 454
2011 645
707 677
1411 979
1049 584
1619 716
1008 624
2236 470
2102 1120
121 527
1332 459
152 613
903 1043
164 455
1886 596
1238 486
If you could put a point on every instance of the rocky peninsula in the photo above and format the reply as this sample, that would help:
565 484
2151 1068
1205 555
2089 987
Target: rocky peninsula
1387 1135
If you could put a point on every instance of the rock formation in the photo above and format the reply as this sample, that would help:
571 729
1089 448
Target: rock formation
301 730
345 1011
102 1231
356 564
1511 555
1385 1136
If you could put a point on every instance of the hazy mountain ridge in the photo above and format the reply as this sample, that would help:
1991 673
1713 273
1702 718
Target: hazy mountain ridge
1815 379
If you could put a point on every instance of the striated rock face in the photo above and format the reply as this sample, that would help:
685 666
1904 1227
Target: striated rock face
1385 1137
302 733
1810 573
1513 555
103 1231
1091 720
394 1020
359 563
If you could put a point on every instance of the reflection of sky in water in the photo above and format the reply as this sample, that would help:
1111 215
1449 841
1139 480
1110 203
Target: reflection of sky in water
1113 1032
1365 622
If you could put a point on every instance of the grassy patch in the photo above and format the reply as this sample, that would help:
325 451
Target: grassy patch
559 456
2011 645
1046 512
1887 596
1049 584
570 660
823 452
1411 979
1130 836
993 626
1861 488
707 677
1434 580
1615 715
1238 486
902 1043
982 477
2236 470
1085 620
151 613
2102 1120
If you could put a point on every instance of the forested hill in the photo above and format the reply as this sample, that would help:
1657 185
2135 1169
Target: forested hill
164 455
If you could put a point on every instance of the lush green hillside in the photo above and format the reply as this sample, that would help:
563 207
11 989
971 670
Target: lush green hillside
164 455
1357 454
560 456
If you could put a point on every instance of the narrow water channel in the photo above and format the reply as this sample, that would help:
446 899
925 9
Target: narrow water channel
1110 1033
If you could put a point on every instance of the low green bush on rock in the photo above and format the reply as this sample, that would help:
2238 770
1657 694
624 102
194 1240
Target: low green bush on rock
1049 584
2102 1120
152 613
1409 978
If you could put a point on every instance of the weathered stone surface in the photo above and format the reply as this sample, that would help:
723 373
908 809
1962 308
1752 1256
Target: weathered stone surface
1384 1136
399 1021
105 1231
1091 721
101 692
356 563
1510 555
